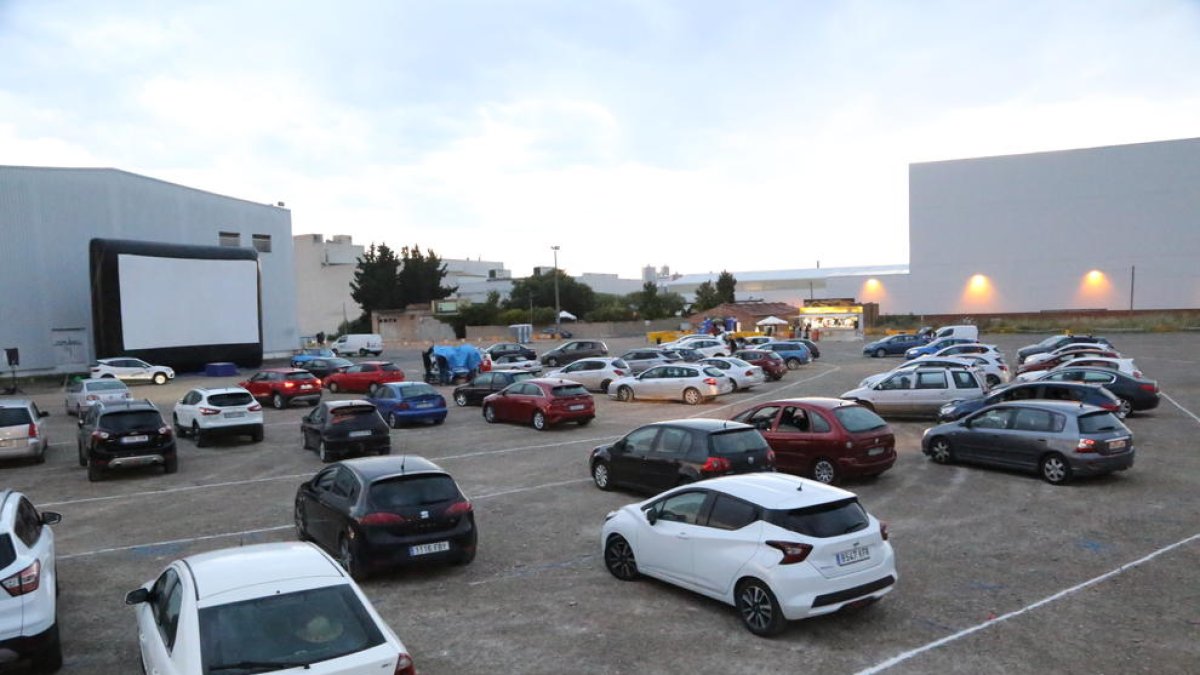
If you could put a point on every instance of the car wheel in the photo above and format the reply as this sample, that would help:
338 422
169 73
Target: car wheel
362 352
82 458
41 456
992 381
604 385
349 559
584 422
107 376
824 471
619 558
624 394
759 609
600 476
95 473
279 401
866 404
467 556
1126 408
323 452
552 362
160 378
941 451
460 399
539 421
333 387
1055 469
489 414
180 431
393 421
49 658
777 377
298 519
256 436
880 353
197 434
171 464
793 363
438 421
691 396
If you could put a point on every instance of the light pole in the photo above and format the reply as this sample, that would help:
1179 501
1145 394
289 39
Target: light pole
557 318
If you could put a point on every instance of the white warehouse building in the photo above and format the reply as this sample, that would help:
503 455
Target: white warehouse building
48 217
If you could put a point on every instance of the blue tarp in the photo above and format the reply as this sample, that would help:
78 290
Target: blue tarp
461 358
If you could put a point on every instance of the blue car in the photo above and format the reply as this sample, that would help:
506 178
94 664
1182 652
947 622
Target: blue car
308 354
893 345
935 346
401 403
794 354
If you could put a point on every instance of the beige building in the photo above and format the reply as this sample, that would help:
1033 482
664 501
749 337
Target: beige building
324 270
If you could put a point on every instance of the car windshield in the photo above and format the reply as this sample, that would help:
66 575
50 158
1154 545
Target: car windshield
418 490
1097 422
290 630
302 375
231 399
738 441
131 420
415 390
856 418
13 417
569 390
824 520
106 385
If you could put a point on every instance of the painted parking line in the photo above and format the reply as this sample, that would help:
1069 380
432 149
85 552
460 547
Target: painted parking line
264 530
912 653
1175 403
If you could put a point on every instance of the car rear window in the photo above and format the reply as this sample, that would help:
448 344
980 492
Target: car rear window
856 419
130 420
14 417
352 410
1097 422
231 399
713 372
618 363
415 390
7 553
419 490
569 390
106 385
738 441
302 375
518 377
832 519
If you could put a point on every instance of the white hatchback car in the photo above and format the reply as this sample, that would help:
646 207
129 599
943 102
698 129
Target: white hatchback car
29 575
777 547
515 362
81 394
744 375
226 411
266 607
595 373
132 370
708 346
690 383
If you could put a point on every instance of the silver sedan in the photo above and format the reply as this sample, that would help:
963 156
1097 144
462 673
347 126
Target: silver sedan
81 394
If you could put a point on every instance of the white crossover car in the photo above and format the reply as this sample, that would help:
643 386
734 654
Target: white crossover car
226 411
132 370
690 383
29 575
594 373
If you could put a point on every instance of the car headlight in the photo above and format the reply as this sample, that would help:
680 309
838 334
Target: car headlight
610 516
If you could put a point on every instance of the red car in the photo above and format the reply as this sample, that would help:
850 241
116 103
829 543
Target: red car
281 386
772 364
541 402
824 438
1056 361
364 377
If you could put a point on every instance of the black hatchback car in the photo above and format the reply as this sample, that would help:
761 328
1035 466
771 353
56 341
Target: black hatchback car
1087 394
662 455
323 367
1133 393
340 428
125 434
486 384
378 512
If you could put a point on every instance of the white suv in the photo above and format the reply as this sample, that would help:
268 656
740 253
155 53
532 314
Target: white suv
28 604
227 411
132 370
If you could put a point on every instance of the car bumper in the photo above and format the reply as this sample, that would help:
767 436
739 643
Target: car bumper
233 429
1146 402
20 646
808 594
556 417
13 449
423 415
1082 465
381 550
866 466
305 397
359 446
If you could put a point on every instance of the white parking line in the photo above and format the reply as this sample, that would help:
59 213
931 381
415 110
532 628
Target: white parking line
184 488
901 658
1187 412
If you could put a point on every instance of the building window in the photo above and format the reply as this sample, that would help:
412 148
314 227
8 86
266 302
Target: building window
262 242
229 239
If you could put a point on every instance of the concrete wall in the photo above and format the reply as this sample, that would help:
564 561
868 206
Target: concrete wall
323 271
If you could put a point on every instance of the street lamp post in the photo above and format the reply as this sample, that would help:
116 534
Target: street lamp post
557 311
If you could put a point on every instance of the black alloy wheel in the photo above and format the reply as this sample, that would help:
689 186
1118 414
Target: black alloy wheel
619 559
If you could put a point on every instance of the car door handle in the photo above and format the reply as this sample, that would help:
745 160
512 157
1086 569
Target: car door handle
681 535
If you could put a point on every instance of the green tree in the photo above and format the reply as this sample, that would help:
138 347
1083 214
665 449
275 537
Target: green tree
420 277
575 297
611 307
726 285
374 285
706 297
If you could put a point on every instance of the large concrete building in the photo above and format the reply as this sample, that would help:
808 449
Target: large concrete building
324 270
48 216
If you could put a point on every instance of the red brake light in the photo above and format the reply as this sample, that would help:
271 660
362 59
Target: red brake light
716 465
883 529
165 430
618 371
93 397
710 380
254 407
404 665
1149 386
382 519
209 411
1086 445
32 430
288 384
459 508
792 552
25 581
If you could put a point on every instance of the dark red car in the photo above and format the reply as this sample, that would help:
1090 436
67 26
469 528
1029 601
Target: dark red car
824 438
772 364
1056 361
364 377
281 386
541 402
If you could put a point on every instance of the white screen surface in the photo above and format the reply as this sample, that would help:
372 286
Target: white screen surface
182 302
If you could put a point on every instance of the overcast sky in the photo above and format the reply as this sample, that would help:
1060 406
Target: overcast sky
699 135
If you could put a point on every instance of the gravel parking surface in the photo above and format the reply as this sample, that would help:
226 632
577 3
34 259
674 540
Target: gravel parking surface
972 545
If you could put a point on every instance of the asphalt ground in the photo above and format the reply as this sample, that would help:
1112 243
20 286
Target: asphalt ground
999 572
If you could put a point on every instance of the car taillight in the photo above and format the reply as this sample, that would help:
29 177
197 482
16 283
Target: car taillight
317 382
883 529
1111 407
209 411
382 519
710 381
165 430
441 402
1086 445
716 465
100 435
25 581
1149 386
620 373
1003 367
749 373
254 407
32 430
93 397
793 552
403 405
288 384
404 665
459 508
770 457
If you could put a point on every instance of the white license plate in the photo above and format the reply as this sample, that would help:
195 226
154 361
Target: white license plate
358 434
853 555
5 444
231 415
306 386
1117 444
423 405
435 547
874 451
577 406
135 439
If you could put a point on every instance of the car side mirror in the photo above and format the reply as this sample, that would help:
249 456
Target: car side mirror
137 597
51 518
651 517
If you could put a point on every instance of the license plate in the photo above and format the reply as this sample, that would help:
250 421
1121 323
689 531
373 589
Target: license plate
578 406
874 451
306 386
135 439
435 547
853 555
231 415
358 434
5 444
423 405
1117 444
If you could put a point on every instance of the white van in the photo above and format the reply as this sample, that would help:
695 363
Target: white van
358 343
968 332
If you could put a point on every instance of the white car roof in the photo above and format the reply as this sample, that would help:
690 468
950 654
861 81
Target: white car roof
218 572
777 490
221 390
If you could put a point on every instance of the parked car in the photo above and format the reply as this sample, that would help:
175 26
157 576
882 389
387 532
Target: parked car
337 429
541 402
358 343
794 354
661 455
83 393
23 430
1072 348
920 392
1033 371
743 374
364 377
29 574
408 402
131 370
771 363
572 351
486 384
707 346
377 513
1055 341
125 434
1135 393
309 353
935 346
641 360
516 362
813 349
324 367
923 362
967 331
1050 360
825 439
508 348
226 411
1056 439
1086 394
994 371
892 345
684 354
969 349
593 373
777 547
281 386
685 382
250 609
